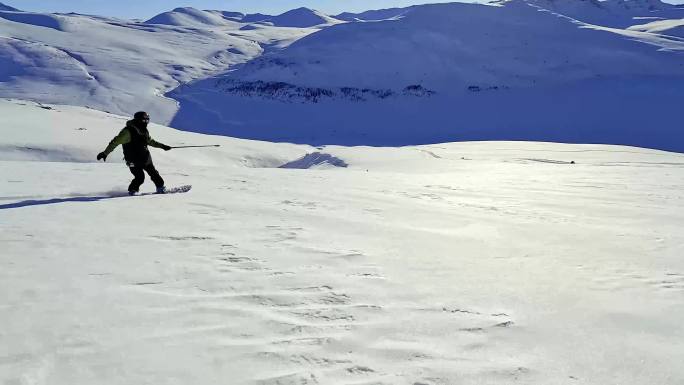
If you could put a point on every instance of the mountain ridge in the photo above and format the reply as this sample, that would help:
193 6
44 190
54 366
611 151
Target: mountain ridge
297 18
451 54
213 71
4 7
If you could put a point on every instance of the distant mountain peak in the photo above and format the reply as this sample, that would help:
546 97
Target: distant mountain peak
302 9
373 15
4 7
192 17
184 9
229 14
614 5
302 18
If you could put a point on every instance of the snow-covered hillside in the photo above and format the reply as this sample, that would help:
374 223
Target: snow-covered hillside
444 72
191 17
374 15
296 18
673 27
450 47
123 66
4 7
579 71
303 18
299 18
470 263
610 13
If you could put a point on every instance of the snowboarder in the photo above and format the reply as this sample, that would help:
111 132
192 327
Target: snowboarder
135 138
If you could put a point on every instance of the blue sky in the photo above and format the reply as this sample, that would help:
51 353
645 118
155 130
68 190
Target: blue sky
148 8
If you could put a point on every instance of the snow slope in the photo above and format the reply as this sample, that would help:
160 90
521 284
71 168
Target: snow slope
296 18
674 27
546 70
446 72
123 66
4 7
373 15
191 17
303 18
256 17
610 13
615 13
468 263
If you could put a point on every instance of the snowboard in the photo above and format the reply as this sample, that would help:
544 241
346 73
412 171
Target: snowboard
170 190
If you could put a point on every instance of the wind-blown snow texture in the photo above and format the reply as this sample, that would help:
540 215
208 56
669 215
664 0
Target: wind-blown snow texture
471 263
551 70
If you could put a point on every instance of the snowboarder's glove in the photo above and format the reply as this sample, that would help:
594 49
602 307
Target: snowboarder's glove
102 156
166 148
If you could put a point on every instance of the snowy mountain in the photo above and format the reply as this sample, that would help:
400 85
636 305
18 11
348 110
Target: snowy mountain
405 259
609 13
458 263
256 17
550 70
373 15
191 17
302 18
444 72
669 27
4 7
123 66
296 18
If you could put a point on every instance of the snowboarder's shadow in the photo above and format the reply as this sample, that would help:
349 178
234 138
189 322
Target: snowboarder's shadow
52 201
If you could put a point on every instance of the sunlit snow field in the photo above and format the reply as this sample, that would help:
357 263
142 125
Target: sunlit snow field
459 263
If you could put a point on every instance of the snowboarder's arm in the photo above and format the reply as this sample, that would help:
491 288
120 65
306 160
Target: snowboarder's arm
153 143
123 138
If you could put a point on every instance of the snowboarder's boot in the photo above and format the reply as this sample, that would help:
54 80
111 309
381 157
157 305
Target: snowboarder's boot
131 193
161 190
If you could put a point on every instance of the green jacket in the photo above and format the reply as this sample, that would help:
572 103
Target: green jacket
125 137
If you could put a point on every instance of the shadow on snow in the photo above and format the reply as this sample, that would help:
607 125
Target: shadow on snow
43 202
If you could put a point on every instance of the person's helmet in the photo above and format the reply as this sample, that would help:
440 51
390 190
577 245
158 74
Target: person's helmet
141 116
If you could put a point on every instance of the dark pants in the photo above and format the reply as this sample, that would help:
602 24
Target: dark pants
139 174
